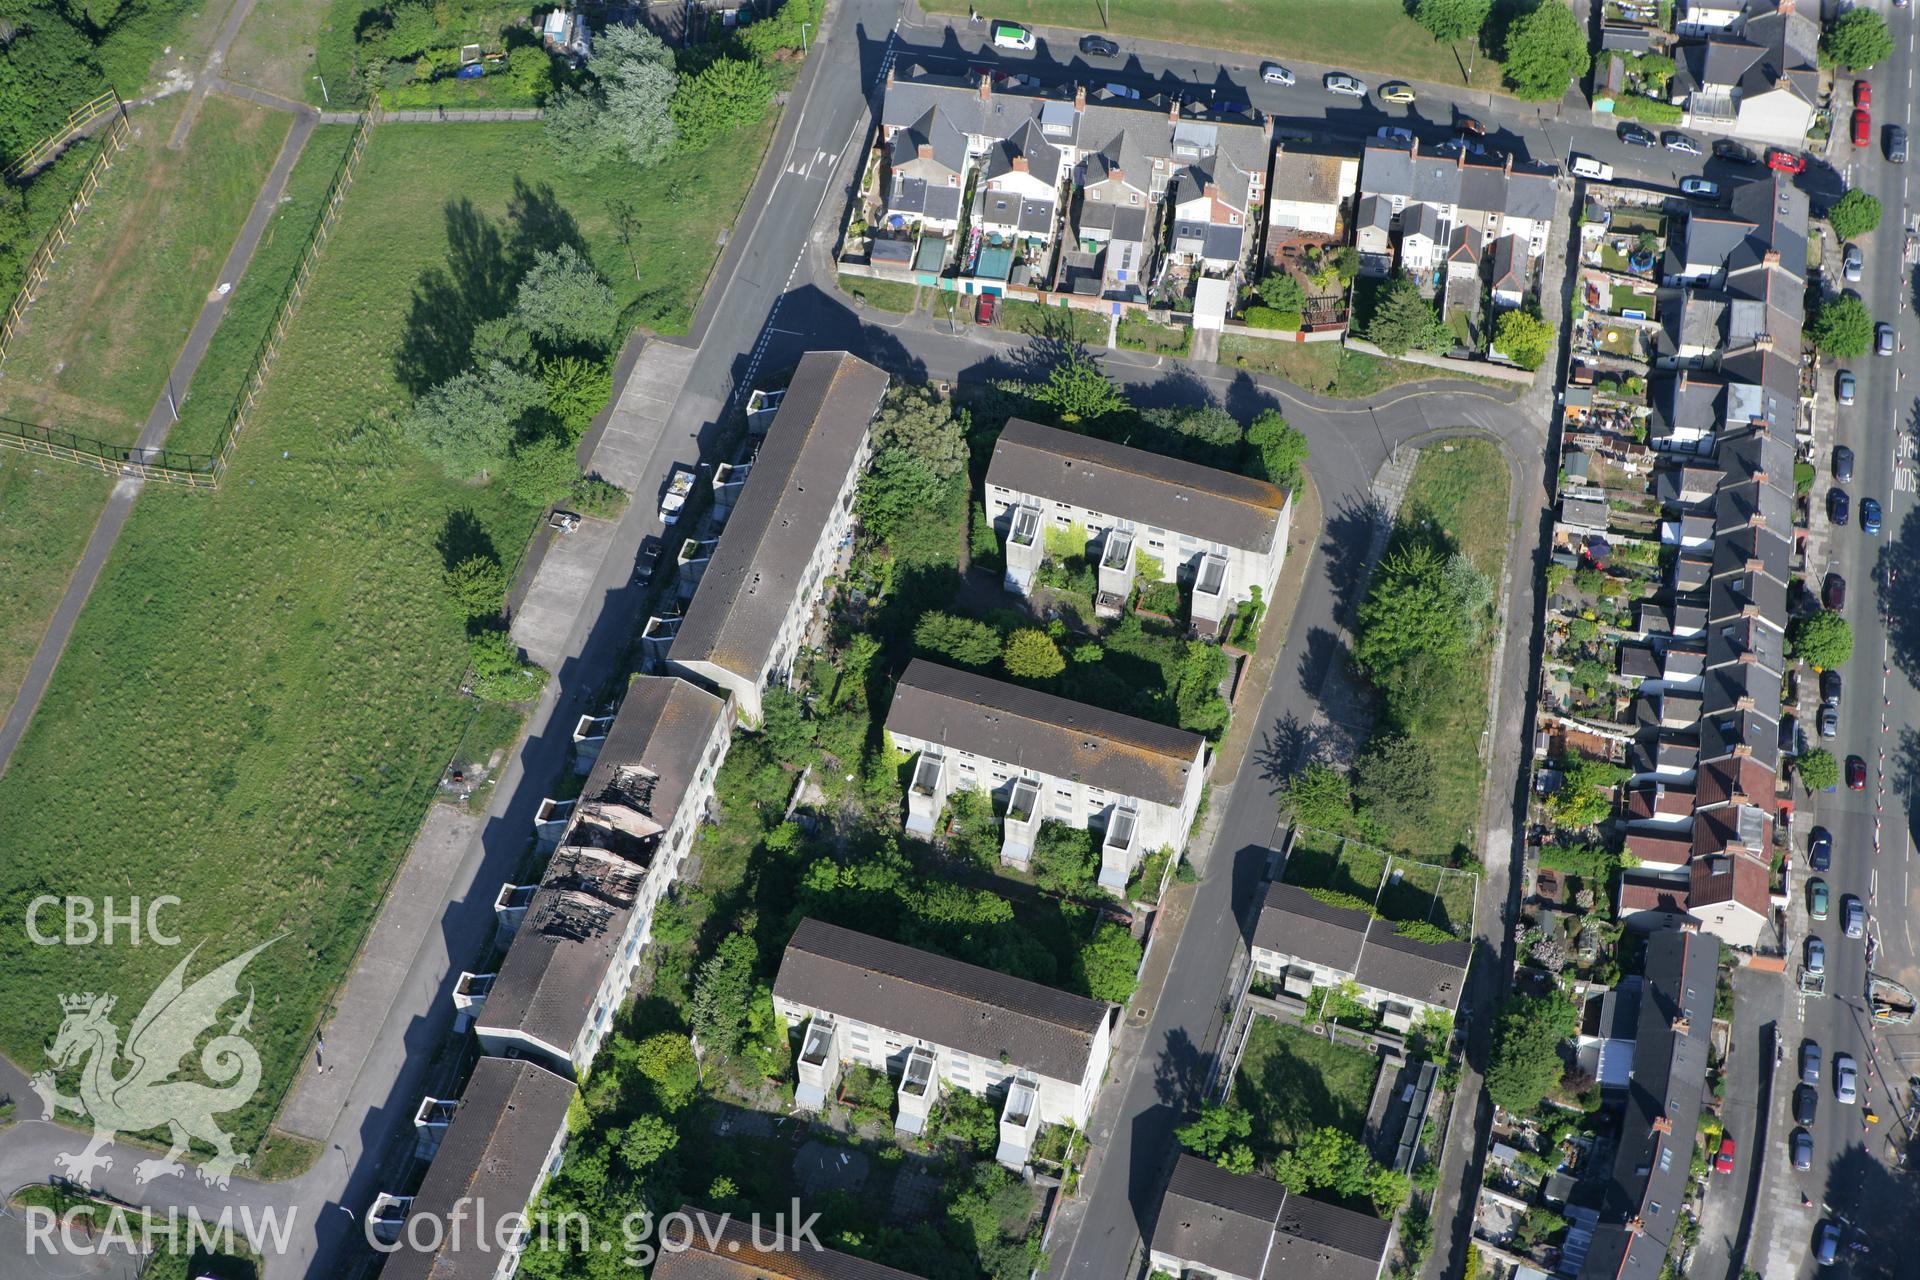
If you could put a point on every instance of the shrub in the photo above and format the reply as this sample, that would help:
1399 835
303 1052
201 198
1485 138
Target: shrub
498 673
1269 318
477 585
1854 214
1032 655
1633 106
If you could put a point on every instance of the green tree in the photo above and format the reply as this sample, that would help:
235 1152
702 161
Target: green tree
1217 1128
724 95
1198 703
784 725
1452 20
1855 213
666 1059
542 469
1525 1064
577 389
1077 392
477 585
1404 321
1841 325
577 138
1203 433
1857 39
1818 769
1523 337
1319 796
898 491
921 422
502 340
1281 291
1064 859
634 72
467 423
721 993
969 1119
1394 778
1329 1159
1282 448
1411 612
642 1143
1823 640
1031 654
563 300
1546 52
1110 963
961 640
498 673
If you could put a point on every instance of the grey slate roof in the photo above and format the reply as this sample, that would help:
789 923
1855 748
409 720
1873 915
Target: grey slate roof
723 1247
1295 923
1133 484
1509 265
930 997
1246 1226
1689 401
573 928
755 573
1433 972
1029 144
1048 734
1308 172
489 1163
948 146
1394 168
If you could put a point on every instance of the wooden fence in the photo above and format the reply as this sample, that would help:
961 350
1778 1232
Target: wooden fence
41 263
77 121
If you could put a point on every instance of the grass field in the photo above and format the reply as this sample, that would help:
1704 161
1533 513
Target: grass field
1293 1082
1141 334
259 698
1322 31
1326 368
94 355
47 510
887 295
1086 327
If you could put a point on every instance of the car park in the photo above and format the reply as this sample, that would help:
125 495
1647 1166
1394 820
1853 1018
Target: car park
1099 47
1274 73
1396 91
1846 1079
1862 128
1830 686
1705 188
1817 898
1800 1149
1810 1053
1856 774
1833 592
1839 506
1843 387
1828 720
1842 463
1820 849
1674 140
1345 85
1851 263
1896 144
1870 516
1806 1102
1729 150
1635 136
1723 1158
1883 339
1786 161
1826 1243
1853 916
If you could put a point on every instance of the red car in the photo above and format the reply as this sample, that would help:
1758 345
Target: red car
987 310
1856 774
1834 594
1862 128
1723 1162
1862 94
1785 161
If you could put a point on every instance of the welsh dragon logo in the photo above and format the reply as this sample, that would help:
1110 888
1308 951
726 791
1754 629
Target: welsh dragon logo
144 1096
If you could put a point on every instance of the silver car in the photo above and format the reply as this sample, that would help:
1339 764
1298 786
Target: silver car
1846 1080
1274 73
1810 1057
1345 85
1816 963
1853 916
1853 264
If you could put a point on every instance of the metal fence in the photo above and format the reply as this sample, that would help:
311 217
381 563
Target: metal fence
77 121
195 470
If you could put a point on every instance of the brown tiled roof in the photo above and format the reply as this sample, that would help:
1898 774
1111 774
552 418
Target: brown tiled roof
723 1247
1721 781
929 997
1653 845
1731 877
1652 799
1654 893
1018 726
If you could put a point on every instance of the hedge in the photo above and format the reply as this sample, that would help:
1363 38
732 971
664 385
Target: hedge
1631 106
1268 318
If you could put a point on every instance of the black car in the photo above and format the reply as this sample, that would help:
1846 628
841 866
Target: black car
1099 47
1820 850
1838 505
1842 463
1634 136
1728 149
646 562
1830 686
1834 593
1800 1147
1805 1099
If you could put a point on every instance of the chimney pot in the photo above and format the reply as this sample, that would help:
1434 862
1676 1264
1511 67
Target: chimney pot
986 87
1080 97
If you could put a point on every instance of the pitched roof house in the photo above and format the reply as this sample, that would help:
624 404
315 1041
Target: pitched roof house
1305 942
1244 1227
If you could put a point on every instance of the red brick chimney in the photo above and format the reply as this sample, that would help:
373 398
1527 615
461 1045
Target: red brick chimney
1080 97
1020 164
986 87
926 151
1173 111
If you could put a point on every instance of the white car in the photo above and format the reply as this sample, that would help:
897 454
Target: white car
1011 35
1588 167
1274 73
1345 85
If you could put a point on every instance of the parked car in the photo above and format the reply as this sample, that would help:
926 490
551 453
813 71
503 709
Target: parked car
1468 125
1011 35
1828 718
646 561
1674 140
1862 93
1394 133
1896 144
1843 387
1274 73
1826 1243
1870 516
1635 136
1883 339
1805 1104
1723 1158
1838 505
1853 916
1125 91
1705 188
1816 963
1396 91
1856 774
1851 263
1588 167
1862 128
1793 741
1842 463
1099 47
1846 1079
1817 898
1345 85
1833 592
1830 686
988 309
1800 1149
1728 149
1810 1052
1786 161
1820 849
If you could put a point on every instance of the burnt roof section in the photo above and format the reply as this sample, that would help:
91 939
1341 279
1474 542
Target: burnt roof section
722 1247
1047 734
755 574
930 997
490 1162
1245 1225
1133 484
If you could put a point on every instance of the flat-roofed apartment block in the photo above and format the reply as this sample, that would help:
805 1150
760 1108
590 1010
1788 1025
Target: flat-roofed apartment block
575 950
505 1139
722 1247
1236 1226
934 1024
1224 533
1044 758
1305 943
757 592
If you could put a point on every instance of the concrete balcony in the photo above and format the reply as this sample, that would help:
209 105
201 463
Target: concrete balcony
693 557
729 478
430 1125
1019 1123
1211 607
588 734
926 794
1022 824
1119 850
818 1065
387 1217
510 906
1116 574
1025 549
762 407
469 997
656 639
919 1088
550 822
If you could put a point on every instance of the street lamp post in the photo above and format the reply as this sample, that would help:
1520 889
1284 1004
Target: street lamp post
803 38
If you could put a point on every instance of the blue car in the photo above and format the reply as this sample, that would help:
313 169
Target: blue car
1870 515
1838 504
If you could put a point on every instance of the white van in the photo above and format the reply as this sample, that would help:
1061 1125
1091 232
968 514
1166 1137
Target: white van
1588 167
1011 35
